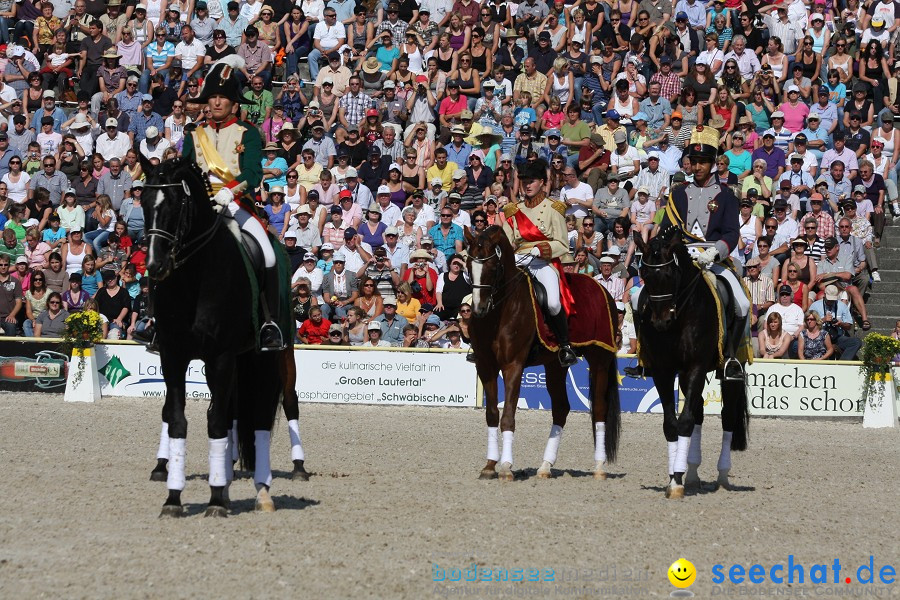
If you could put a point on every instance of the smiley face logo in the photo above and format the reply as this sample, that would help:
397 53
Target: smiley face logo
682 573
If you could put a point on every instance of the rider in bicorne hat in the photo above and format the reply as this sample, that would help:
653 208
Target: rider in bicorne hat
707 211
230 150
536 228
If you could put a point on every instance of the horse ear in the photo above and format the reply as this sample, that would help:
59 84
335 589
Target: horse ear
468 235
146 166
674 237
640 243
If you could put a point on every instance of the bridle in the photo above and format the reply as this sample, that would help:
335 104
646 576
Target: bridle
180 252
680 293
494 287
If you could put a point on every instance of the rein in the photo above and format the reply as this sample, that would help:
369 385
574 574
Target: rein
681 293
180 253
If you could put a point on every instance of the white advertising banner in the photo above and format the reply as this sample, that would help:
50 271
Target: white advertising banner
386 377
338 376
796 389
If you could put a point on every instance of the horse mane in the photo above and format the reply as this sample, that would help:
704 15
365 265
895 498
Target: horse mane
671 238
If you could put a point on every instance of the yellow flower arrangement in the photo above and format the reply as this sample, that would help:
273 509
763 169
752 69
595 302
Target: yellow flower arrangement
83 330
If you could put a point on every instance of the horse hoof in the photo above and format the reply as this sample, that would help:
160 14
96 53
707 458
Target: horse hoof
216 511
599 472
692 478
300 475
675 492
264 502
545 471
505 473
722 482
172 510
160 472
487 474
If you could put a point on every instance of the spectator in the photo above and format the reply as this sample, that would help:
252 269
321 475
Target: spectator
814 343
10 297
837 322
51 322
315 329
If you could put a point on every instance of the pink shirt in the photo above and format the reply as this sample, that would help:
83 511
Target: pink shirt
794 116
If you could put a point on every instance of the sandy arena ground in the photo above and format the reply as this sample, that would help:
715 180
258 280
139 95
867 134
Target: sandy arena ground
395 490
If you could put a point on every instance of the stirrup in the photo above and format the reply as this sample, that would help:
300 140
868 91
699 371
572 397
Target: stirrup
270 338
567 356
636 372
470 356
733 370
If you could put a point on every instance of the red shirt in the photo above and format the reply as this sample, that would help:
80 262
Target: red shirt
139 260
586 152
449 107
313 333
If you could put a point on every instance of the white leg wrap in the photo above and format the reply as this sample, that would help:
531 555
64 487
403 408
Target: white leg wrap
672 447
218 458
296 445
681 453
234 441
493 450
552 448
695 453
507 456
176 464
600 442
262 474
229 464
725 456
163 451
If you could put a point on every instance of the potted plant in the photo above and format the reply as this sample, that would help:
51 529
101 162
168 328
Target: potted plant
877 357
83 330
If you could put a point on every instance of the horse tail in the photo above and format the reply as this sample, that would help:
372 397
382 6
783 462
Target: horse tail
736 413
613 410
258 400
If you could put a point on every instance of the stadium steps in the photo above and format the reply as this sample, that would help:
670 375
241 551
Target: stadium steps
884 301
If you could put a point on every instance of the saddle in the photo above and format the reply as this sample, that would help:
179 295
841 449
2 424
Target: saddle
592 324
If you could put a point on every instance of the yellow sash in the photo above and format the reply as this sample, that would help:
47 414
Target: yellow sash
213 159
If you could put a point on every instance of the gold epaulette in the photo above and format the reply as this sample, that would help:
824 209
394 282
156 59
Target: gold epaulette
559 207
511 209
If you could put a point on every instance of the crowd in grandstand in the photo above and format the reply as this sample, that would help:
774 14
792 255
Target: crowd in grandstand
391 128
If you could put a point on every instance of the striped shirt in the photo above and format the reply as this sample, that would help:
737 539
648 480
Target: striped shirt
158 55
615 285
762 290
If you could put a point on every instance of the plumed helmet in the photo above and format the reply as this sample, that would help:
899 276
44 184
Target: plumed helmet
222 80
704 143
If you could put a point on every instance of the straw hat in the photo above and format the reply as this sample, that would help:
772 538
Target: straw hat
371 65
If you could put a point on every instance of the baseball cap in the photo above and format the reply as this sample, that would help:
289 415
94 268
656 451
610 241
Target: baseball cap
831 242
437 181
832 292
290 235
859 189
457 174
613 114
350 233
778 114
383 189
146 98
336 328
619 137
308 255
785 290
753 262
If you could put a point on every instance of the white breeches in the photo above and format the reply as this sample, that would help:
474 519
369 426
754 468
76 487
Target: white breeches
251 225
547 274
740 296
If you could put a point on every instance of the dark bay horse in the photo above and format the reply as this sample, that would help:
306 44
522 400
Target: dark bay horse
679 335
503 332
203 305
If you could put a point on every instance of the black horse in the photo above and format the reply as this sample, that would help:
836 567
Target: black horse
204 306
679 334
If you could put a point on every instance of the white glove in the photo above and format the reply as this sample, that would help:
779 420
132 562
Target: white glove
536 252
707 257
224 197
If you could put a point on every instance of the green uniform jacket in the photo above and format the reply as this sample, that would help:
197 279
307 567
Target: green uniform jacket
250 160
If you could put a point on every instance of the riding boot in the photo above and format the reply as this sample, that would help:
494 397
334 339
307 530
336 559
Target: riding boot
560 325
148 335
733 369
270 337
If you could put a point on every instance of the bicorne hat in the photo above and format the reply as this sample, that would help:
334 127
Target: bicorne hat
222 80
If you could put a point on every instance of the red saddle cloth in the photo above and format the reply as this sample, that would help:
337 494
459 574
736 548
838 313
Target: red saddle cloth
591 325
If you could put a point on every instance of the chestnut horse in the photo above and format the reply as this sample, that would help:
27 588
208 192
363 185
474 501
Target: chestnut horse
503 333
